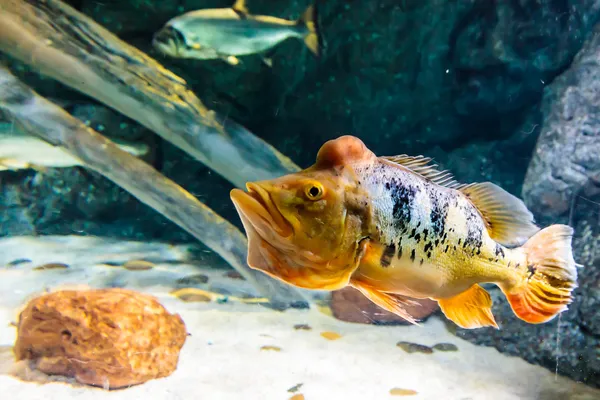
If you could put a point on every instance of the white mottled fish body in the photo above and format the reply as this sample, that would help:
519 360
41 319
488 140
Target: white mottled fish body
428 233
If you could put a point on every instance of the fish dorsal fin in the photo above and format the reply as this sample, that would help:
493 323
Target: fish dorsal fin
508 220
240 8
342 151
422 166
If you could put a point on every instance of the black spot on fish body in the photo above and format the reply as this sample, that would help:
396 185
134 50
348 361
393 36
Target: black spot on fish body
531 269
437 242
421 262
429 255
446 249
399 252
427 247
499 250
388 253
403 197
509 264
459 240
412 255
439 211
418 237
425 233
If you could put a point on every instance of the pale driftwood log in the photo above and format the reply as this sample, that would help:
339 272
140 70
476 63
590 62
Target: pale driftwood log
62 43
42 118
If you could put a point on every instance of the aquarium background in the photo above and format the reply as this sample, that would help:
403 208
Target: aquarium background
500 91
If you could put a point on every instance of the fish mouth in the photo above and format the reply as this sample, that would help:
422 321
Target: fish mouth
260 209
267 230
166 41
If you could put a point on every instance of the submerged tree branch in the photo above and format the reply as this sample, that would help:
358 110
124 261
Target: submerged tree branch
70 47
40 117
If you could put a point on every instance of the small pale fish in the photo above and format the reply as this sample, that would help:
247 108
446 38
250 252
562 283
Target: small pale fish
226 33
19 150
397 229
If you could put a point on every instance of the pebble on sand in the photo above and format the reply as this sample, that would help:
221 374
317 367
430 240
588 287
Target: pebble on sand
331 335
402 392
51 266
302 327
138 265
410 347
271 348
295 388
445 347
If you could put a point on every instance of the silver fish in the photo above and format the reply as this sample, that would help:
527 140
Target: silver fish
19 150
224 33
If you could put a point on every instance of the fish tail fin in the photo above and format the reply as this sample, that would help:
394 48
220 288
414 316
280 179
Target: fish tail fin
313 39
551 276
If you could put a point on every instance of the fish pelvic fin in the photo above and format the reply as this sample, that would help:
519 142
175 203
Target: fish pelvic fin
550 276
391 302
313 39
507 219
470 309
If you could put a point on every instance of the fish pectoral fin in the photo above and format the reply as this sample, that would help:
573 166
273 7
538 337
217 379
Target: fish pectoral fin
268 61
231 60
507 218
469 309
391 302
240 8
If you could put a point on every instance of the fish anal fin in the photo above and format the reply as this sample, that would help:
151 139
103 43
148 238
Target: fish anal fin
240 8
470 309
391 302
424 167
508 220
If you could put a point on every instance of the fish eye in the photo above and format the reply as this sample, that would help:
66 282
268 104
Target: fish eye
314 191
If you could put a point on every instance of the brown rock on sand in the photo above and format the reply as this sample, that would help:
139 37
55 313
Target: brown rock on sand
103 337
350 305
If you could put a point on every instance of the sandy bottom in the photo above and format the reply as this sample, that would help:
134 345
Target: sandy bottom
222 359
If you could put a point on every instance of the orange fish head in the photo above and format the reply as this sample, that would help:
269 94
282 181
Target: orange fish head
299 228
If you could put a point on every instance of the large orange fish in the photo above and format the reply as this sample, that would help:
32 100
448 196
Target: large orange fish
396 228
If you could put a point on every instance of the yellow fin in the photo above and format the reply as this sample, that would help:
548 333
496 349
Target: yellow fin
391 302
240 7
470 309
550 278
422 166
508 220
313 39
